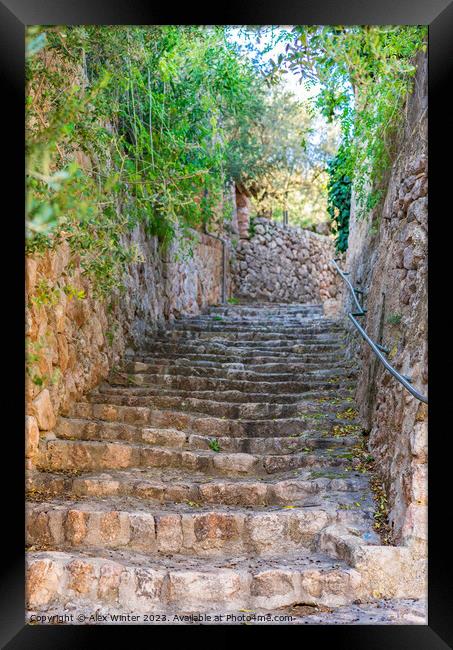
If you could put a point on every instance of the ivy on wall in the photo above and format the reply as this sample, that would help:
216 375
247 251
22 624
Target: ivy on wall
339 199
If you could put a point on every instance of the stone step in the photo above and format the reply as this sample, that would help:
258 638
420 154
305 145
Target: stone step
278 345
269 311
88 455
159 364
329 399
241 410
235 332
283 327
391 611
222 358
213 473
218 323
183 370
302 487
133 582
88 429
247 340
247 336
132 525
301 321
343 379
203 423
279 324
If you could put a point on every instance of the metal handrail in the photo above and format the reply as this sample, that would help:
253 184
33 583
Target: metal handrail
378 350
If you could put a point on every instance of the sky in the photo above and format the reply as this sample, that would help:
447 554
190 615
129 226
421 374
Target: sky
291 80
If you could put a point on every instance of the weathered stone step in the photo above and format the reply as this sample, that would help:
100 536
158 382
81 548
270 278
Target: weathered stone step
88 455
218 343
219 484
135 583
281 325
312 401
269 310
199 422
223 357
134 526
246 338
232 325
184 370
391 611
303 487
251 331
220 409
320 398
234 334
259 320
159 364
343 379
233 354
241 314
87 429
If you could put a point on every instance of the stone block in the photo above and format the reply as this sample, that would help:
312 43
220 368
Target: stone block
42 409
31 436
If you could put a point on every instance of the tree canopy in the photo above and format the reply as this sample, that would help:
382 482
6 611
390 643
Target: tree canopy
150 124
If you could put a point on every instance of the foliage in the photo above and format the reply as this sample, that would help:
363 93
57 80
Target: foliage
45 294
394 318
33 361
283 158
252 226
127 125
148 124
214 445
339 199
364 74
381 511
72 292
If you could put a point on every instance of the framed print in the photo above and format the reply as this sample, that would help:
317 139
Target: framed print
227 329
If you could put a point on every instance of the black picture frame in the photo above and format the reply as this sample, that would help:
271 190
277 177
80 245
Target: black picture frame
438 14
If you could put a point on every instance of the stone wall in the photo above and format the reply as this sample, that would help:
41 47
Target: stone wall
387 258
72 343
285 264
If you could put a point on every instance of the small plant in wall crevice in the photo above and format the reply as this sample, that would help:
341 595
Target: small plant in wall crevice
214 445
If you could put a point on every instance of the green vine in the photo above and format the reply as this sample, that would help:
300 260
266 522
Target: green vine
339 199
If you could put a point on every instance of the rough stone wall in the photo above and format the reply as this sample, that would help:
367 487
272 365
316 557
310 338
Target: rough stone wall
285 264
72 343
387 258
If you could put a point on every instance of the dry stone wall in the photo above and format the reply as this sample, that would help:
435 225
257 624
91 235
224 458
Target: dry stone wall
387 258
285 264
72 343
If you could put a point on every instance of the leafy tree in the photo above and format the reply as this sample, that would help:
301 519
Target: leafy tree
281 160
148 124
128 124
364 74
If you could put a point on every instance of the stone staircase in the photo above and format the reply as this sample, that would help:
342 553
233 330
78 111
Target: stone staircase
214 471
